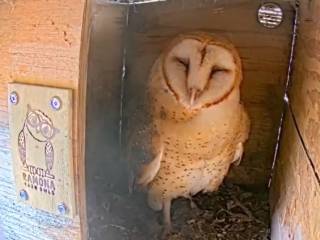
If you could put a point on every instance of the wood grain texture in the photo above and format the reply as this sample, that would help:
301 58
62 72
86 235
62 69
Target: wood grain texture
41 149
305 90
295 193
264 53
22 222
106 172
40 44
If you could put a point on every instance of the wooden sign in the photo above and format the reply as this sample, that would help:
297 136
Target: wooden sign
41 140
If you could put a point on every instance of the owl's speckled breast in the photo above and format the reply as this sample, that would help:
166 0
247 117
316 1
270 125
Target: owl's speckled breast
194 158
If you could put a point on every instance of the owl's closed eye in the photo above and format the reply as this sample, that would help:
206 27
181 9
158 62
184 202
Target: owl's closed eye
200 73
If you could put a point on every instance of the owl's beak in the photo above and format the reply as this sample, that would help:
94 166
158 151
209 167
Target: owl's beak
193 93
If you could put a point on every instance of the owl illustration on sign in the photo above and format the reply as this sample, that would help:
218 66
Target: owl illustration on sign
40 128
199 122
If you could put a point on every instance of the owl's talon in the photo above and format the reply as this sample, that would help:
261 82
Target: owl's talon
167 230
193 205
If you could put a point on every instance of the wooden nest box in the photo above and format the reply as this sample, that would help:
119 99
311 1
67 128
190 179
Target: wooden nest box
72 100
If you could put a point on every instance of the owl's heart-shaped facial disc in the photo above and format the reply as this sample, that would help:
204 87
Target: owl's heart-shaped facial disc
201 72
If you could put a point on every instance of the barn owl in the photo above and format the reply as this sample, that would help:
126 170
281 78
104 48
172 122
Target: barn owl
199 122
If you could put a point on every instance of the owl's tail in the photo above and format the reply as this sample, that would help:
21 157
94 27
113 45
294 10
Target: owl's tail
150 170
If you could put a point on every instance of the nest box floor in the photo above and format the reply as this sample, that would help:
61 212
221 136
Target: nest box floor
230 213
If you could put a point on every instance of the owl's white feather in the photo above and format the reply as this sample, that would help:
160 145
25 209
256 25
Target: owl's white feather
197 116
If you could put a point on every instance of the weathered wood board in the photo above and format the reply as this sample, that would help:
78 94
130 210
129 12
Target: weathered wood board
106 172
305 90
43 43
264 53
295 193
115 94
41 146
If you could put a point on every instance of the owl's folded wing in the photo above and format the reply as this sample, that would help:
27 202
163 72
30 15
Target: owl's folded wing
150 170
243 136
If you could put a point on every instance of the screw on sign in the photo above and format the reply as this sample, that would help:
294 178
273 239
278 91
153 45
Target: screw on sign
23 195
62 208
55 103
14 98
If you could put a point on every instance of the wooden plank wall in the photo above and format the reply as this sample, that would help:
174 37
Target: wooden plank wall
295 192
41 43
295 189
142 35
106 174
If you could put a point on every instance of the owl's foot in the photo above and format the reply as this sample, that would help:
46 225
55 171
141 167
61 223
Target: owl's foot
167 230
193 205
166 218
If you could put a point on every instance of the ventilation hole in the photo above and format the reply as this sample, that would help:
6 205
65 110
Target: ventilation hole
270 15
